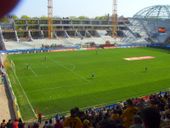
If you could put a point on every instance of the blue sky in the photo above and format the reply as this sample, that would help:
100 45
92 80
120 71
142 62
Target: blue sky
90 8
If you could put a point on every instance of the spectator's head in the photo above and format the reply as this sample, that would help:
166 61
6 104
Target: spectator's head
150 117
50 121
20 120
57 121
86 123
73 112
137 120
9 120
46 122
129 102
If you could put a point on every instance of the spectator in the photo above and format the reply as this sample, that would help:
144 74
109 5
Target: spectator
35 125
115 115
3 124
151 117
20 124
50 123
107 124
137 122
86 124
46 124
15 124
9 124
73 121
128 113
39 117
166 121
58 124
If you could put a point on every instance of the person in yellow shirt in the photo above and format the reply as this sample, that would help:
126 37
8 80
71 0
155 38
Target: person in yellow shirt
73 121
115 116
129 113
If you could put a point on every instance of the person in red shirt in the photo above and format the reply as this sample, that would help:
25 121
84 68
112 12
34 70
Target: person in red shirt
58 124
15 124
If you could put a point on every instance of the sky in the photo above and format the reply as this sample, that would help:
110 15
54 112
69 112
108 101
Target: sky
90 8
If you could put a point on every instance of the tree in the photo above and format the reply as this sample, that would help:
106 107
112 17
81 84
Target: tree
106 17
73 17
35 17
44 17
57 17
4 20
25 17
8 19
14 17
83 17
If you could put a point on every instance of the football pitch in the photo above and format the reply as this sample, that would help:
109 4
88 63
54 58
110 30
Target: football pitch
52 83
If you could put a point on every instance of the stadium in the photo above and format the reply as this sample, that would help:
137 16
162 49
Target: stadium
107 71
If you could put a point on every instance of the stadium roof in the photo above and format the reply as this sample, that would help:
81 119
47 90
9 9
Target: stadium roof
157 11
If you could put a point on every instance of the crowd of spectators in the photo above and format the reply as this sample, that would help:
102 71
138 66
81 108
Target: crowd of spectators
146 112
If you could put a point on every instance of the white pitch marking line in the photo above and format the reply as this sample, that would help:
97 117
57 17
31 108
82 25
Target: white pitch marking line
71 71
33 71
24 93
45 89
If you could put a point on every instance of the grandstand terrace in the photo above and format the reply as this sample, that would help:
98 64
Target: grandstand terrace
64 27
33 33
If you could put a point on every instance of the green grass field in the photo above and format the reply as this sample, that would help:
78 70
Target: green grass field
63 80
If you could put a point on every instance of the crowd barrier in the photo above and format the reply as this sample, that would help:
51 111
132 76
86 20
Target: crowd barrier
12 97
